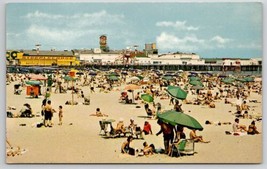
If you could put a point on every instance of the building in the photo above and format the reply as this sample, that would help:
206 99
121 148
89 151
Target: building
42 58
177 59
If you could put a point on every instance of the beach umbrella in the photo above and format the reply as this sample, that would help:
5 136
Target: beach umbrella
134 78
195 83
176 92
193 78
177 118
228 80
124 73
132 87
197 87
248 79
69 78
113 74
37 77
92 73
113 78
167 78
33 82
147 98
140 77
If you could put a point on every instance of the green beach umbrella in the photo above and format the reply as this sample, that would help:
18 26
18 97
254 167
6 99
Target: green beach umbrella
33 82
147 98
167 78
249 79
173 117
228 80
113 78
140 77
68 78
192 78
196 83
176 92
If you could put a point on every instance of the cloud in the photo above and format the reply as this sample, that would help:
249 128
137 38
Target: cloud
78 27
178 25
100 18
220 39
190 43
251 45
166 41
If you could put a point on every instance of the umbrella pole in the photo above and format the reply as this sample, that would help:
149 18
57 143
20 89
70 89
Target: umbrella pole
133 96
72 95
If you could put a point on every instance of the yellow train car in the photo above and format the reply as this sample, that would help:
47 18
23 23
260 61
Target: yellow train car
43 58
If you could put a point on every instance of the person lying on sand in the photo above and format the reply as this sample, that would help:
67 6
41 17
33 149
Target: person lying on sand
217 123
98 113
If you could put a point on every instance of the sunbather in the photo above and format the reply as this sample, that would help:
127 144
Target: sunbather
237 127
252 129
125 147
98 113
197 138
120 127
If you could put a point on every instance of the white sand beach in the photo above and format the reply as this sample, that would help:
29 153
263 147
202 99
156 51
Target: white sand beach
77 140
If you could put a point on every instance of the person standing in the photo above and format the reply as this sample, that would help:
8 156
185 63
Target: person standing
60 115
48 114
168 134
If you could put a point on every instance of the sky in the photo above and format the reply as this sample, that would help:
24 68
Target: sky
212 30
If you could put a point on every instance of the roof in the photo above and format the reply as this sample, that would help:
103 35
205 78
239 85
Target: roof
48 53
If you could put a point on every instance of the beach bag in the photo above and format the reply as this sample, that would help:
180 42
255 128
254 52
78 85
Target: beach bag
173 151
131 151
9 114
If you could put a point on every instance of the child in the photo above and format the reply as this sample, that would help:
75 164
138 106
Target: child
60 115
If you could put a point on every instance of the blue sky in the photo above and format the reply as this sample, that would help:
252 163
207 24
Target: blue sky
208 29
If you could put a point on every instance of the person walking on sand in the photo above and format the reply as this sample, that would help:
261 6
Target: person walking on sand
60 115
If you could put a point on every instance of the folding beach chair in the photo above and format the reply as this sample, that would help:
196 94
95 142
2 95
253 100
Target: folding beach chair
182 147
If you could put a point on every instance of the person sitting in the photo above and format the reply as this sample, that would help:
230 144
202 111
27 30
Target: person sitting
252 129
149 111
132 126
179 133
177 106
123 96
125 147
148 149
98 113
86 100
26 111
147 128
137 97
197 138
237 127
120 127
245 115
127 100
244 106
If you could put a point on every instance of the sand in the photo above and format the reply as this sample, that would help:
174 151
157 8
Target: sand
78 139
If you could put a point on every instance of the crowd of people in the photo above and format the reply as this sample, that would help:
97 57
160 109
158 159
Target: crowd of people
214 91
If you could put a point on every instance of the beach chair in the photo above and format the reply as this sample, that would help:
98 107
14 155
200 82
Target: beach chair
103 128
138 132
182 147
